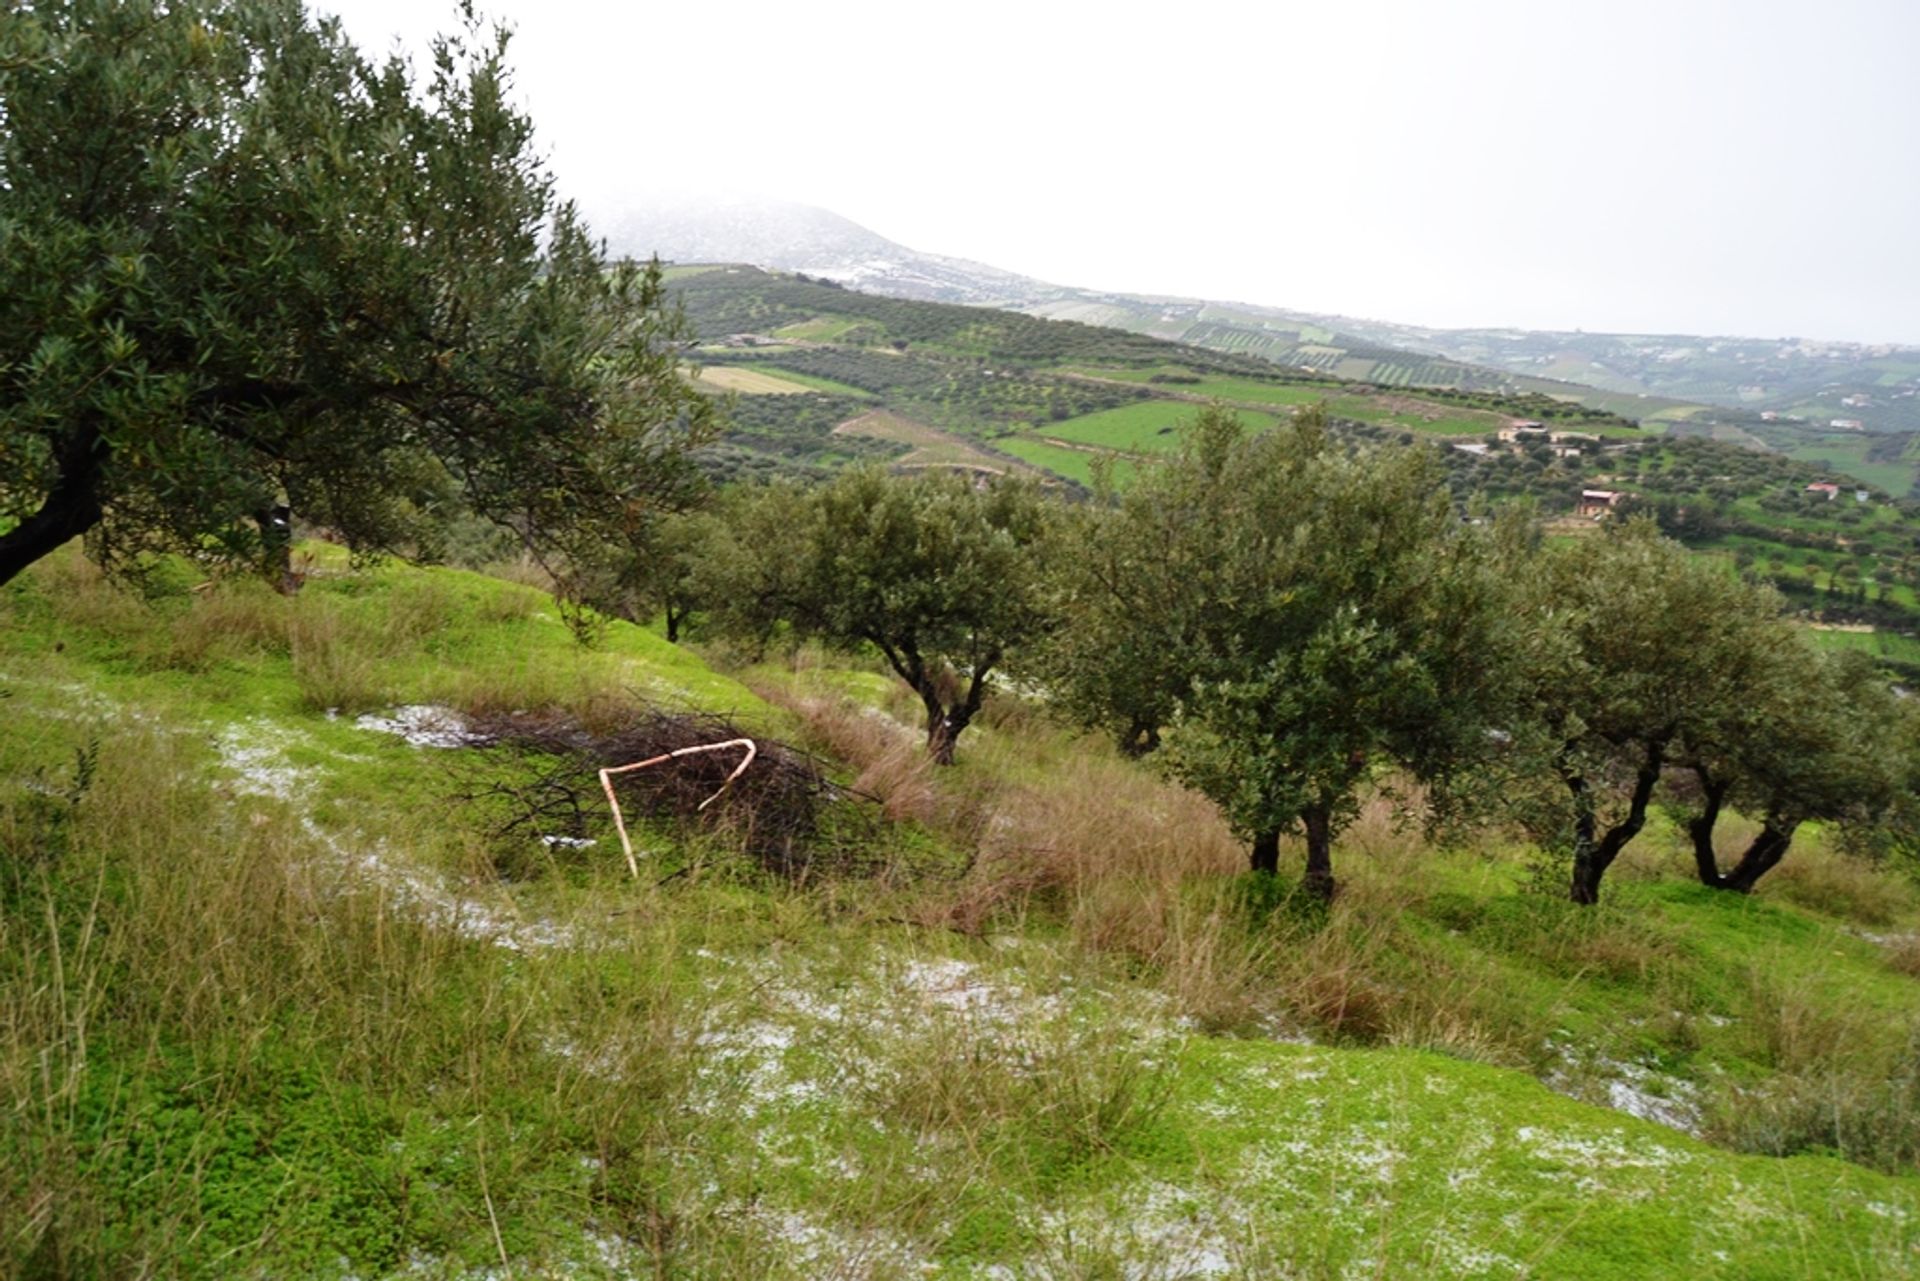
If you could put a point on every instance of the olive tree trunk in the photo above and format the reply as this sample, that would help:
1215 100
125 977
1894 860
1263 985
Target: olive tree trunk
1594 851
1318 822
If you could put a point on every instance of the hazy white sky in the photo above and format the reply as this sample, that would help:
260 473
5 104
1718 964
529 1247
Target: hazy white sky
1701 166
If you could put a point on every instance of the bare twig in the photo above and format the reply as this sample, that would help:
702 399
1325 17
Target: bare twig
606 782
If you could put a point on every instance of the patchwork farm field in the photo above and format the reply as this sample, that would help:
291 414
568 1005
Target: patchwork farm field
750 382
1146 427
1849 454
1886 646
1248 390
1420 416
817 383
930 446
1074 464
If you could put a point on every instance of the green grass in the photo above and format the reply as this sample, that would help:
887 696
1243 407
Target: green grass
268 1006
1887 645
1847 455
1074 464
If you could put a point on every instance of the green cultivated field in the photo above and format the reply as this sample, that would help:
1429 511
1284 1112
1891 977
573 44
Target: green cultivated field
1147 427
1439 420
1887 645
820 384
1848 454
1231 389
1074 464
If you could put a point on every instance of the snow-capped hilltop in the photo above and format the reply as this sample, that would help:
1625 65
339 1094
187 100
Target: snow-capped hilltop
785 236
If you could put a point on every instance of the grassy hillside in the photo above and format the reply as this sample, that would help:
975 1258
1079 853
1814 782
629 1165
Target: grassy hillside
282 994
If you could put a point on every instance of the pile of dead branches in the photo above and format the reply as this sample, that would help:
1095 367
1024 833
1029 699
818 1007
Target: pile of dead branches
783 810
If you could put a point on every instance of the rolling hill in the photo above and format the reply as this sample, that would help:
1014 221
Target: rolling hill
822 376
1817 401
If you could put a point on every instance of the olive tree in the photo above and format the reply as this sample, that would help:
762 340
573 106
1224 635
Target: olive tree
1308 614
1808 737
1636 649
942 574
1136 586
245 271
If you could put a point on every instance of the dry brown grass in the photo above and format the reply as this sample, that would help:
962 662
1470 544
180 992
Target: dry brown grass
1818 876
338 658
1903 955
1794 1024
81 595
889 759
587 692
231 619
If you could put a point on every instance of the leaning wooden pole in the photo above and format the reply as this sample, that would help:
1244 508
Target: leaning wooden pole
620 822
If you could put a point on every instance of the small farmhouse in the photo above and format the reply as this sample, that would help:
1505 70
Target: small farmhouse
1523 430
1598 504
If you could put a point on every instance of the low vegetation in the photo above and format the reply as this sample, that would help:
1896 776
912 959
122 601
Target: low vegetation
278 999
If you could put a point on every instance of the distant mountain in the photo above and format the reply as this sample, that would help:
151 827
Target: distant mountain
1732 387
783 236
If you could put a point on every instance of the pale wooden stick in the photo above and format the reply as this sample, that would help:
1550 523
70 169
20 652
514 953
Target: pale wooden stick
606 783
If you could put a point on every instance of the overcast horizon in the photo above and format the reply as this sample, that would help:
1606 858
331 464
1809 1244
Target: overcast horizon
1686 168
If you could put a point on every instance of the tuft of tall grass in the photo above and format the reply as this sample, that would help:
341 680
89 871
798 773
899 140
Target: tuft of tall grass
233 618
339 657
1050 1091
1866 1110
1818 875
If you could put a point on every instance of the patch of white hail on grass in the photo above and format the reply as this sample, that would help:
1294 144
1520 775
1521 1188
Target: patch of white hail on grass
1155 1230
957 985
1601 1152
822 1250
1633 1088
1458 1258
255 752
1279 1029
423 725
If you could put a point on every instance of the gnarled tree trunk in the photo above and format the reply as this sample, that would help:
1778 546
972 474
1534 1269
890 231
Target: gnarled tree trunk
1700 828
276 547
72 505
1594 851
1318 821
1266 851
945 722
1763 854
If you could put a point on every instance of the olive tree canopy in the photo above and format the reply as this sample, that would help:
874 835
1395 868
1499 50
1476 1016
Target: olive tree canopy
244 268
1300 615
